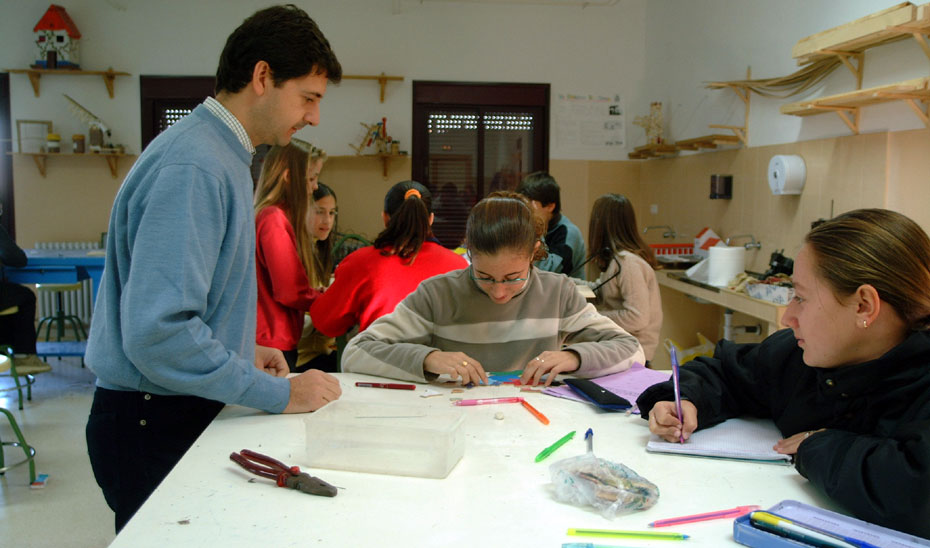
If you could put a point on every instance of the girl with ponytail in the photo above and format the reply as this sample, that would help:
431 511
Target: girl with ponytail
371 281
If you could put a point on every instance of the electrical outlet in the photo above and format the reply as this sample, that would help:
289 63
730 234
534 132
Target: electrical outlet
654 209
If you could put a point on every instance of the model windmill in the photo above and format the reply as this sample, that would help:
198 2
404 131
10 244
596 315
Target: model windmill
97 128
652 124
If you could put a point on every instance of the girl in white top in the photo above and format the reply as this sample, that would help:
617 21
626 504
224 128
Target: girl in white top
627 290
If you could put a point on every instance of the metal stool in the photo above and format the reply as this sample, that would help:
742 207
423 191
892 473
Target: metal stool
60 318
7 363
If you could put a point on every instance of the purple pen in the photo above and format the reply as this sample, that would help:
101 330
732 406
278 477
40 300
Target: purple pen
677 388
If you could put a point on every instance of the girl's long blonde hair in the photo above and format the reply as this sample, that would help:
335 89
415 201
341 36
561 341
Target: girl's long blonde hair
283 183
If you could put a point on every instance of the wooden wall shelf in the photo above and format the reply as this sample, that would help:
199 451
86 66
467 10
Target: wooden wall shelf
40 158
381 78
895 23
653 151
35 75
707 141
848 105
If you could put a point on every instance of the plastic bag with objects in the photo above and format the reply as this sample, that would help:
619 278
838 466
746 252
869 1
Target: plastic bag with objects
610 487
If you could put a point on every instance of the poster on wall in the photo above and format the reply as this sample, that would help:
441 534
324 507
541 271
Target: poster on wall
589 121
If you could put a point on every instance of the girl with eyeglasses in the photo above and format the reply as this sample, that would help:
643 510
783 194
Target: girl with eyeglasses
500 314
627 290
371 281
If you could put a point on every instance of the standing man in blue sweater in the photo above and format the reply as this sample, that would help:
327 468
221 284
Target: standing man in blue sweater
564 240
173 336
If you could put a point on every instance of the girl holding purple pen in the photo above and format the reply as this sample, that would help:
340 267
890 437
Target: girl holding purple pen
848 384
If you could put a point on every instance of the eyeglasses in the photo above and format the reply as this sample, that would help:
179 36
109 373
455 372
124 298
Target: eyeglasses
492 281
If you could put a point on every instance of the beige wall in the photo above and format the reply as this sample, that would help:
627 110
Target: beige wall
849 171
876 170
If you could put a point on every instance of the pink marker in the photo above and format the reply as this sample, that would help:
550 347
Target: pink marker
487 401
720 514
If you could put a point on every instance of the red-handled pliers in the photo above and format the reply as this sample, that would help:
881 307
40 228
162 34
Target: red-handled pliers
284 476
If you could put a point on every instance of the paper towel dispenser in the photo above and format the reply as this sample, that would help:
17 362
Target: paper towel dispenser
786 174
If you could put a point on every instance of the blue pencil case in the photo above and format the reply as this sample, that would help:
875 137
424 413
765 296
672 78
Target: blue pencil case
824 520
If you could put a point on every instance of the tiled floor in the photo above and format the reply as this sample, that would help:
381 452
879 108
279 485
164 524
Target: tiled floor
69 510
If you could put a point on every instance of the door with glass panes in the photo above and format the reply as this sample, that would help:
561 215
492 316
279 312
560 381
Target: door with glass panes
472 139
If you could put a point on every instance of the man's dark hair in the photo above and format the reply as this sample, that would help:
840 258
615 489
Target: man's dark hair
283 36
541 186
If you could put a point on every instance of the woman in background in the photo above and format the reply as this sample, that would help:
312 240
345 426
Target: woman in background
500 314
314 349
627 290
371 281
283 245
848 384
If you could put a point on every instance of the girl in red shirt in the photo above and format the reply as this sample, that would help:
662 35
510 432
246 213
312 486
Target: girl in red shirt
284 245
371 281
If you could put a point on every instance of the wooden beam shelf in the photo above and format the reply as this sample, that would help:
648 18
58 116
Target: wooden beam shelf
707 141
41 158
653 151
381 78
898 22
35 74
847 105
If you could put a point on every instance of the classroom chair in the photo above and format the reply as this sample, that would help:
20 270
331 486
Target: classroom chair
23 374
60 319
6 362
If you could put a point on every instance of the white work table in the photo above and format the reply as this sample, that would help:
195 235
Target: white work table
495 496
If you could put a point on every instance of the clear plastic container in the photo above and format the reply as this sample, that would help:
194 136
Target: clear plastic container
391 439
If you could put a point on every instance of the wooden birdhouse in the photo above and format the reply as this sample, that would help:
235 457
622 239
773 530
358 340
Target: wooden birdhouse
57 38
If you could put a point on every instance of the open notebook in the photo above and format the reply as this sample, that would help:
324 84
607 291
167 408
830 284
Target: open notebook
741 439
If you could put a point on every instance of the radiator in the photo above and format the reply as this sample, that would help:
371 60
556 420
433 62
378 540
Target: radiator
77 303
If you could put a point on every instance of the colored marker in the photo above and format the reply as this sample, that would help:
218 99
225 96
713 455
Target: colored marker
648 535
589 437
809 535
677 388
707 516
542 418
391 385
551 449
488 401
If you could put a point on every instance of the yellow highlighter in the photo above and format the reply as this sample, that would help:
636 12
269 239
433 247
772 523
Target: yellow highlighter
787 528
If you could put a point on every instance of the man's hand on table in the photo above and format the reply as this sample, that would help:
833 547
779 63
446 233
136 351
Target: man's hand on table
312 390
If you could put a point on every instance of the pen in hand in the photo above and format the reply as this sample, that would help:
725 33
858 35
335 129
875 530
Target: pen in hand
677 388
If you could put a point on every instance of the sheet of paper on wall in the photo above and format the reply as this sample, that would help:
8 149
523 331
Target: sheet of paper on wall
628 384
589 121
740 439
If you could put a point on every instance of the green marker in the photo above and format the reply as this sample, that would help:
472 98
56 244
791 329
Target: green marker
627 534
551 449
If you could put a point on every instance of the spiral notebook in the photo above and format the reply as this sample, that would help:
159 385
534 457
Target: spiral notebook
740 439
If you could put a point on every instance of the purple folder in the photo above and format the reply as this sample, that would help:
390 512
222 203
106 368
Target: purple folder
628 384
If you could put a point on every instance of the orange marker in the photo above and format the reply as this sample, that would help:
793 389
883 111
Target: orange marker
542 418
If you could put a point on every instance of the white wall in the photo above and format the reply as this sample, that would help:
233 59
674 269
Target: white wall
690 43
591 50
642 49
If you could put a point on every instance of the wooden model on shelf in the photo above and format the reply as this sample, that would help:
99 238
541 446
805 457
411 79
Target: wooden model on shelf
385 147
653 124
